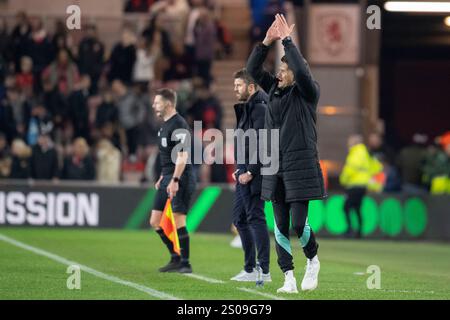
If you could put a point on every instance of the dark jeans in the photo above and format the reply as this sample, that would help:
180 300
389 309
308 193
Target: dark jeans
250 221
298 212
353 201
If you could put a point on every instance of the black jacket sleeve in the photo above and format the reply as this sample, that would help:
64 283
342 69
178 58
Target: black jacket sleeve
255 67
309 88
258 117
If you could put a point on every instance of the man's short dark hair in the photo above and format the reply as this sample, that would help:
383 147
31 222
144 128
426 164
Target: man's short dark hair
244 75
168 95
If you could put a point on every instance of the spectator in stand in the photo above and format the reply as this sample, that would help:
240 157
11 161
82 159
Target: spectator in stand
19 38
206 107
62 73
205 42
39 49
61 39
40 121
5 158
175 15
5 48
410 162
78 108
131 113
25 79
79 165
144 67
155 34
21 111
90 55
56 105
108 162
44 159
7 120
107 121
224 38
197 6
21 153
123 57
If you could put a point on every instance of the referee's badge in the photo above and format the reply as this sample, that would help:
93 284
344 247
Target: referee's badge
181 137
164 142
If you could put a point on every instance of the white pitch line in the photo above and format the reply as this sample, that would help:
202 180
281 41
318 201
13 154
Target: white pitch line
54 257
211 280
267 295
199 277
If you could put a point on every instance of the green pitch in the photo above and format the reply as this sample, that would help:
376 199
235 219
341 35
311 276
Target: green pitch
123 265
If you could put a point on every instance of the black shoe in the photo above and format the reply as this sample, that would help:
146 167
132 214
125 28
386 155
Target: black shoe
185 268
172 266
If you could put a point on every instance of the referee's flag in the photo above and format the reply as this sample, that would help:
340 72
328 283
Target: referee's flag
168 225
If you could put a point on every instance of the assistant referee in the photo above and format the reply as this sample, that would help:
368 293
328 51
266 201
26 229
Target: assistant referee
177 180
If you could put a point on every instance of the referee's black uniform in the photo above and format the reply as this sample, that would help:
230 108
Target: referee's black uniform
168 139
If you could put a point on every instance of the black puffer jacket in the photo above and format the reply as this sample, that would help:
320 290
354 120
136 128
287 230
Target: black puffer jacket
251 115
293 111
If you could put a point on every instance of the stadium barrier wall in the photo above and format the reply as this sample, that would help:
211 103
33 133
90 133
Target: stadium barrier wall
81 205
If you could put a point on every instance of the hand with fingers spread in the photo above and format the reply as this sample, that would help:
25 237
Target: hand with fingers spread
284 30
272 34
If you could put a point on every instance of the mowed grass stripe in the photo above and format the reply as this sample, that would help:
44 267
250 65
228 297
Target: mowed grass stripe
99 274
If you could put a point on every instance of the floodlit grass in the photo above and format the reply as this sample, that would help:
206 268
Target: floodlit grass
409 270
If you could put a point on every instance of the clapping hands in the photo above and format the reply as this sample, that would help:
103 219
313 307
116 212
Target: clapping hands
278 30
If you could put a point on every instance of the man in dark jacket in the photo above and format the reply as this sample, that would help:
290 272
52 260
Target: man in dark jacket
44 159
79 165
293 98
90 56
79 109
248 209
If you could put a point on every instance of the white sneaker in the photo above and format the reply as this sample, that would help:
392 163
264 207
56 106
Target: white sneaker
236 242
245 276
311 278
266 277
290 284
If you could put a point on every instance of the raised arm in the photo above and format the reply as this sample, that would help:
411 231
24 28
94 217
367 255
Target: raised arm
302 74
255 62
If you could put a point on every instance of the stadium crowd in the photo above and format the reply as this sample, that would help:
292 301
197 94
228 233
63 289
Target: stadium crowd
76 110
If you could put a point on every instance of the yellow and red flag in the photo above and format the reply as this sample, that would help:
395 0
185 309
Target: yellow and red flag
167 223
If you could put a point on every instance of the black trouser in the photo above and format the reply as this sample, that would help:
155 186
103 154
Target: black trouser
298 212
250 221
353 201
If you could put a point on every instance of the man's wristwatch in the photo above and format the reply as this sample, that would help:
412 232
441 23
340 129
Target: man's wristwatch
248 172
176 179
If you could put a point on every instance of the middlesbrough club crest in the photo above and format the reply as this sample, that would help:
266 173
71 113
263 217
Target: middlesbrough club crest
334 34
